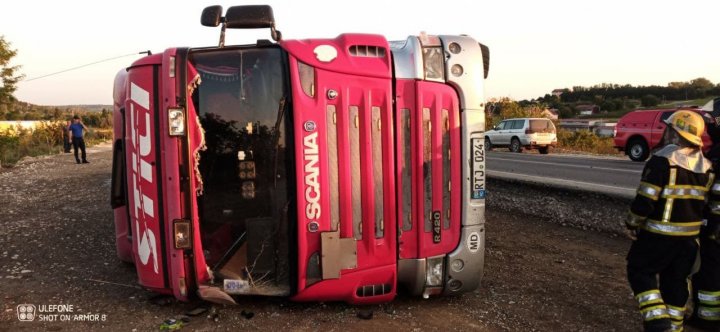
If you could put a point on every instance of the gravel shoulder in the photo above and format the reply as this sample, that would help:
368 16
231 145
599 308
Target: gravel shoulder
554 261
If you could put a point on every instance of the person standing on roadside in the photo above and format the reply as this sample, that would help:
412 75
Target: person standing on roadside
665 220
67 142
75 130
706 283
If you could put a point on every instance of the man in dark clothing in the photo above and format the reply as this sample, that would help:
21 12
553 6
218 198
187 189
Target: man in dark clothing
67 143
665 220
76 134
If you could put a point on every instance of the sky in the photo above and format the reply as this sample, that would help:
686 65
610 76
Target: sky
535 46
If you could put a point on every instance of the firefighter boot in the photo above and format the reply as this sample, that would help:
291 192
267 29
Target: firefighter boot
657 325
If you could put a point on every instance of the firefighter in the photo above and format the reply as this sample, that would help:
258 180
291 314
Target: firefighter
665 220
706 283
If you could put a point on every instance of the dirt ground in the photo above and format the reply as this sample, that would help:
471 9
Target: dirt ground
57 248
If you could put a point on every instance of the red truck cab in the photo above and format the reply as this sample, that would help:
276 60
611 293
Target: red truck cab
318 169
640 131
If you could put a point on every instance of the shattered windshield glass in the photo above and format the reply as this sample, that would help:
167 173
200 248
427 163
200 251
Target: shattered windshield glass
246 167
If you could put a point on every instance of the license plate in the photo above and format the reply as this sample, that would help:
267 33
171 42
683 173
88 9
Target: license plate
235 286
478 168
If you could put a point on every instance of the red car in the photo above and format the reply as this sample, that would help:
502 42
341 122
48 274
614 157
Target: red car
640 131
319 169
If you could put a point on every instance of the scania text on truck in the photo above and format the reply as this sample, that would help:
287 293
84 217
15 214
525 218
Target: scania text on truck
317 169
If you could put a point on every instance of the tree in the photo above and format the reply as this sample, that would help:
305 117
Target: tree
650 101
506 108
510 109
678 85
608 105
566 112
8 77
701 83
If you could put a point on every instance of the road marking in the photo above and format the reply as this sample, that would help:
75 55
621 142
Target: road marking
569 165
578 185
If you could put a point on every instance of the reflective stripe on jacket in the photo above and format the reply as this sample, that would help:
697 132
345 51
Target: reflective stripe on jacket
672 193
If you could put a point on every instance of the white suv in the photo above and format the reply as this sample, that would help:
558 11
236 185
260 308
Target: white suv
528 133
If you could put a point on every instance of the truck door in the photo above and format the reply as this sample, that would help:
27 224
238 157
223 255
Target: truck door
144 185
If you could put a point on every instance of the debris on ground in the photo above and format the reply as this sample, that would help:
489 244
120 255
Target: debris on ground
365 314
247 314
197 311
171 325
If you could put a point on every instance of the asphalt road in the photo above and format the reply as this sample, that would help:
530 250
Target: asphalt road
608 175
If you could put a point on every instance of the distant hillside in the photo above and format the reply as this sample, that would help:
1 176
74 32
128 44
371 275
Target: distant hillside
88 108
99 115
613 100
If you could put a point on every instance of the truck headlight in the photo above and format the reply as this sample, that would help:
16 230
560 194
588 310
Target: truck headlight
248 190
247 170
433 63
176 121
181 234
434 272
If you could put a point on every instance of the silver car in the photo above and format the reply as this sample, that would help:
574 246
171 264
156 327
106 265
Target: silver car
522 133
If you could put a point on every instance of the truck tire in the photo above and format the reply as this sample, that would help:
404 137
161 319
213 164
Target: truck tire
637 149
488 144
515 145
545 149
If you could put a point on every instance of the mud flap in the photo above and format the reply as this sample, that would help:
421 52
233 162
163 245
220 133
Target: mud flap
214 295
337 254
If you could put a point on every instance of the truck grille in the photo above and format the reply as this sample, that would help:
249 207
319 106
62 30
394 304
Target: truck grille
429 170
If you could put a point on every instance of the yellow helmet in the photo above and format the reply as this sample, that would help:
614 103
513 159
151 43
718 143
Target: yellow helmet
689 125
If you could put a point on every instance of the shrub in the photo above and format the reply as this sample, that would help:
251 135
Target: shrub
585 141
46 138
649 101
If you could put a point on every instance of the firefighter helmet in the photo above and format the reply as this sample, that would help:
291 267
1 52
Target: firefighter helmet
689 125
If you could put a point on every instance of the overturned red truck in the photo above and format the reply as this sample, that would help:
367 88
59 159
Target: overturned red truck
319 169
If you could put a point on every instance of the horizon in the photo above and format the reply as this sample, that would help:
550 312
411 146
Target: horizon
534 47
110 105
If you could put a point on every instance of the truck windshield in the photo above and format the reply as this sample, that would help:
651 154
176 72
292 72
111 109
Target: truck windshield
246 168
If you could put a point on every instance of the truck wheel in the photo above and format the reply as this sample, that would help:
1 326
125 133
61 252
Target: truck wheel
488 145
638 150
515 145
544 150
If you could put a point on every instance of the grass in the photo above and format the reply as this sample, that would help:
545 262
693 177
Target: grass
585 141
45 139
694 102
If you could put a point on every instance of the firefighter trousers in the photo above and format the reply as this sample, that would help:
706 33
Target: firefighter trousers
706 283
658 268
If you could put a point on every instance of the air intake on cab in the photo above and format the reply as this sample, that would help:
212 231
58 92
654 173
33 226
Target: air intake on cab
367 51
373 290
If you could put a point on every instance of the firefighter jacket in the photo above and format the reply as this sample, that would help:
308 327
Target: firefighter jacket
713 207
672 194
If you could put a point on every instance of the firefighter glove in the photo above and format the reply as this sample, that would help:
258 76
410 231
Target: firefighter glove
633 221
714 232
631 234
